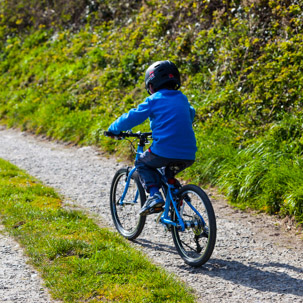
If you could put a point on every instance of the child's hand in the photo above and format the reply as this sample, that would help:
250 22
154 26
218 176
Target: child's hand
113 131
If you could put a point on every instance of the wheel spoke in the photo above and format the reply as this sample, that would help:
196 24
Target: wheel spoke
196 243
191 248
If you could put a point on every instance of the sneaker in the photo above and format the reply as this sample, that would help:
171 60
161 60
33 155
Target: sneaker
152 205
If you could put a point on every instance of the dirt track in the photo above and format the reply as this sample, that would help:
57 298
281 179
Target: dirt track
255 260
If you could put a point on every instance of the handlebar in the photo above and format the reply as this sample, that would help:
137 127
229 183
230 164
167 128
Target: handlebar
123 135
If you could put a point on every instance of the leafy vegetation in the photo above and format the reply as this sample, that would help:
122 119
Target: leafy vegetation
68 70
79 261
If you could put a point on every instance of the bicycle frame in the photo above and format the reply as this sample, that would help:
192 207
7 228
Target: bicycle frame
165 218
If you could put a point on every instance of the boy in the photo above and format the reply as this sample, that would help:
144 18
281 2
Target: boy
171 117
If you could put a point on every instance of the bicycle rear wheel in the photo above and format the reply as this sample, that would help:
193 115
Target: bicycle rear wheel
126 216
196 243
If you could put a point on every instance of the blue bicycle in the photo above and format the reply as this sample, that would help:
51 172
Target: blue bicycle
187 213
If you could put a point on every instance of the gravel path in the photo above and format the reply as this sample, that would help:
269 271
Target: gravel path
254 259
19 282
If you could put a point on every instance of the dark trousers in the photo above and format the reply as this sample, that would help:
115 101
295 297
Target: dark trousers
147 166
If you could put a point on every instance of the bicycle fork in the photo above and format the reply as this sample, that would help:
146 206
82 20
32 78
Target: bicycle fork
128 179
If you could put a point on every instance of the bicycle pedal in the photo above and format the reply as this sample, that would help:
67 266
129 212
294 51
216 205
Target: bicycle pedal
155 210
158 209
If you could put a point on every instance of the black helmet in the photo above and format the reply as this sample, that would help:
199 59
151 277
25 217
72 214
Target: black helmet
162 72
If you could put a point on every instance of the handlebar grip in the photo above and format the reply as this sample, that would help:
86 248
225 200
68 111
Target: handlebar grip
109 134
114 136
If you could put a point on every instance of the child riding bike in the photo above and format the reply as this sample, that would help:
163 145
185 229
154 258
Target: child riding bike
171 117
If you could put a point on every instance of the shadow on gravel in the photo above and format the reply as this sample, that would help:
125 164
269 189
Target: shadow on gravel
270 277
265 277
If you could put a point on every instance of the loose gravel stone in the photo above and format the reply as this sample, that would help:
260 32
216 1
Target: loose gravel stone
255 260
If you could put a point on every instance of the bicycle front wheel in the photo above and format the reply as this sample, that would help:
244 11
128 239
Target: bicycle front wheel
196 243
126 215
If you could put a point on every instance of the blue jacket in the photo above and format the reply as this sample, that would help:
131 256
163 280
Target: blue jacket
171 118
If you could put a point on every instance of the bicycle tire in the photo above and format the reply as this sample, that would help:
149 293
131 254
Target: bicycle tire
196 243
126 217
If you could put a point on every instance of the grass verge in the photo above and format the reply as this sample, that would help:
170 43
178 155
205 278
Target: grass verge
78 260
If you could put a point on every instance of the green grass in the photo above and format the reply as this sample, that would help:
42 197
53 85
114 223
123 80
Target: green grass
78 260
